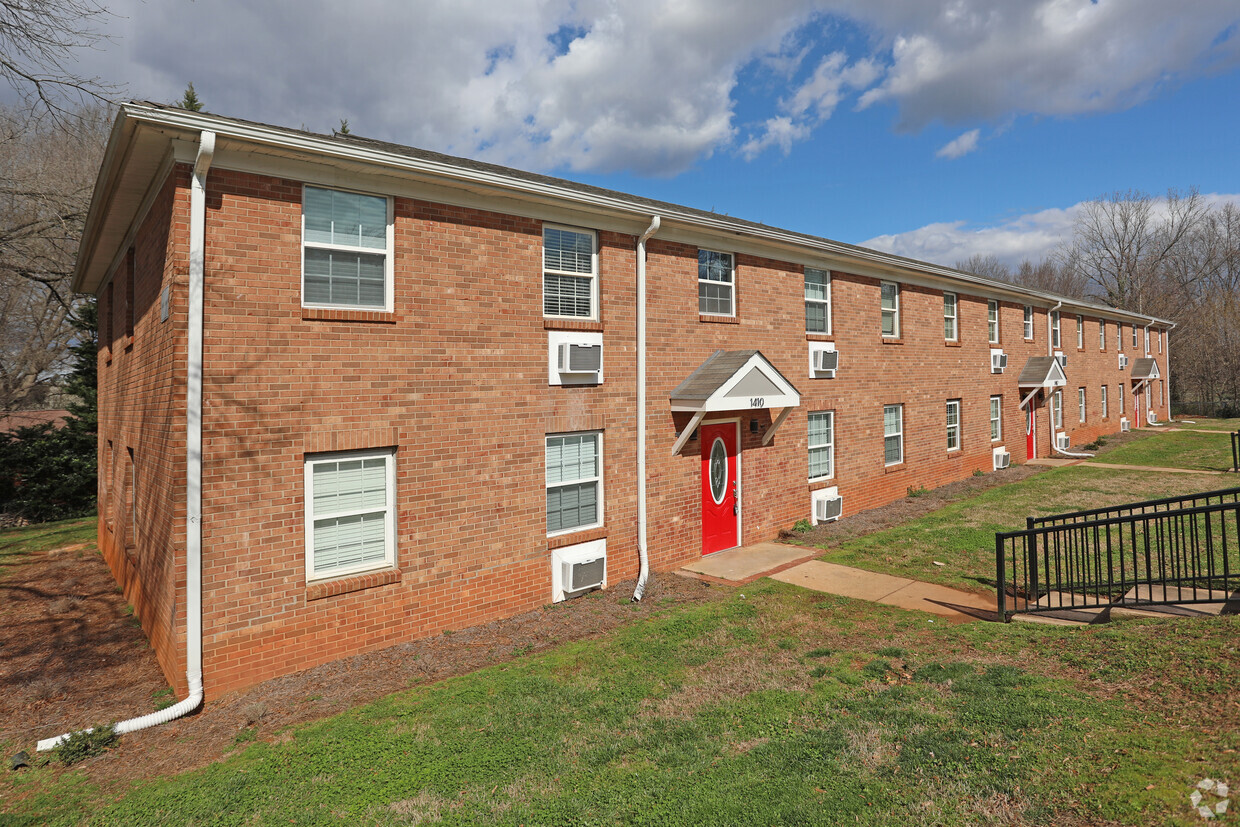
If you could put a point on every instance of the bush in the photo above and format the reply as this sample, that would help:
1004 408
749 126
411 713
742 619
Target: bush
86 743
802 525
47 473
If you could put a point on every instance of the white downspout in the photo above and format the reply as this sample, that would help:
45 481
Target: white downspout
193 461
644 573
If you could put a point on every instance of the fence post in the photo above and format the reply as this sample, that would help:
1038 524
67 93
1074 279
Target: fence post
1001 577
1235 450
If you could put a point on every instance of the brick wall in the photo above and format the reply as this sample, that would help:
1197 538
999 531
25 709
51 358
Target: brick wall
455 381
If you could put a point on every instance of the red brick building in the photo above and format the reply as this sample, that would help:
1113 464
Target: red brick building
353 393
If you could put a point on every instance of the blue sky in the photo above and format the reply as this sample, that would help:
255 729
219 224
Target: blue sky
936 130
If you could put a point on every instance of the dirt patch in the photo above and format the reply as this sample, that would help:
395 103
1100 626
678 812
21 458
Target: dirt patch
905 510
72 655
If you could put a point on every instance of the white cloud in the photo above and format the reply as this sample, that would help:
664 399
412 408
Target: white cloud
962 145
1033 236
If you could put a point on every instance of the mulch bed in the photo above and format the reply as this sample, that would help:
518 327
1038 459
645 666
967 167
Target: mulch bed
71 655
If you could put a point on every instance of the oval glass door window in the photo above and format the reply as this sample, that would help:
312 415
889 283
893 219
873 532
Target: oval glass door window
718 470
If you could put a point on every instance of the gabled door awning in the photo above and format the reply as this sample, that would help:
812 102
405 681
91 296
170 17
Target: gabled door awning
1145 368
733 380
1040 372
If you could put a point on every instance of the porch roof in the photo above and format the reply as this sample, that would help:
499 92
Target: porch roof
1145 368
1042 372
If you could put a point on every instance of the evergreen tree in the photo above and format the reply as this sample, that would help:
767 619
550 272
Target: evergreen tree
344 126
190 100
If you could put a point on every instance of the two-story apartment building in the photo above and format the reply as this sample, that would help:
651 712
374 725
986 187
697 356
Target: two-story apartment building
353 393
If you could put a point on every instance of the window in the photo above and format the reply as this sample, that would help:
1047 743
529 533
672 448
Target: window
893 434
821 445
1055 328
346 255
1147 341
570 270
996 419
1119 396
891 308
1119 336
715 283
1160 393
131 299
953 424
1102 335
574 480
1103 399
1134 336
1080 403
1057 409
817 301
1028 322
350 514
105 317
949 316
1159 334
992 321
1080 333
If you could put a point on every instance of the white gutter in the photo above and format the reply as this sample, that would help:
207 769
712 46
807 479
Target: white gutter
644 573
193 462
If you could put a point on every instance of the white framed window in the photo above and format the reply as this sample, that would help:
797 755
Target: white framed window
817 301
890 304
1057 409
1160 393
1160 338
716 283
1080 403
574 481
1028 322
1055 329
350 512
1119 336
821 445
953 424
996 418
1102 398
1147 341
949 317
1102 334
1080 333
346 249
893 434
992 321
1134 337
570 273
1119 396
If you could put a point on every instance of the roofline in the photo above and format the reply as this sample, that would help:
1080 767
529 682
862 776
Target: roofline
500 178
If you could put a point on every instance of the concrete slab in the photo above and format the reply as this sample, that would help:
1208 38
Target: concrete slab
842 580
740 564
1046 620
941 600
1051 462
1220 600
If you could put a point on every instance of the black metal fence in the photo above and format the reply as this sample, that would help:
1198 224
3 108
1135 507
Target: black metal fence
1160 552
1235 450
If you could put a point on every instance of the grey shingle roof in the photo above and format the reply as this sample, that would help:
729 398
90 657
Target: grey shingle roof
711 374
1036 371
1144 368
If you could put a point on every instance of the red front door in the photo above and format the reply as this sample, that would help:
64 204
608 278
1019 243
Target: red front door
720 508
1031 428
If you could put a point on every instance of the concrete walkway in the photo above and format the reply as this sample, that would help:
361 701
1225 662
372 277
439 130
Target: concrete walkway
796 565
1056 462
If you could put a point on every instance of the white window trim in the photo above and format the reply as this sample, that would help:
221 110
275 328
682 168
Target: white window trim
894 311
388 254
899 434
830 446
1134 337
955 316
992 321
1080 403
1103 399
996 418
1147 341
1057 410
1102 335
599 479
1028 322
1056 339
1160 342
1080 332
389 542
951 403
1119 336
826 303
731 284
594 280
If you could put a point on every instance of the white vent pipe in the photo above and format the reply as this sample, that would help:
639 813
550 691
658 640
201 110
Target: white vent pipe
193 461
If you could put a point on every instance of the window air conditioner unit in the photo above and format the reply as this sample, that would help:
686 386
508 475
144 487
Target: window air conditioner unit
1002 461
1062 442
826 510
579 359
584 574
1151 418
1123 426
1123 361
826 362
998 362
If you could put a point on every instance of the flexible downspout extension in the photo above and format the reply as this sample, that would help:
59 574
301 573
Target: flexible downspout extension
193 464
644 574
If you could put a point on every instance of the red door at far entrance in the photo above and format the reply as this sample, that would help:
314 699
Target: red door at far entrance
720 509
1031 428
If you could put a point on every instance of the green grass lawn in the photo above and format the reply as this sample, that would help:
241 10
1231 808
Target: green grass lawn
775 706
15 542
1202 452
962 534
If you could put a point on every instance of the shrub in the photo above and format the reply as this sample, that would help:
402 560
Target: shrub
802 525
919 491
86 743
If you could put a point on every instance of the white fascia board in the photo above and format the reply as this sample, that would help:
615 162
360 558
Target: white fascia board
849 258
